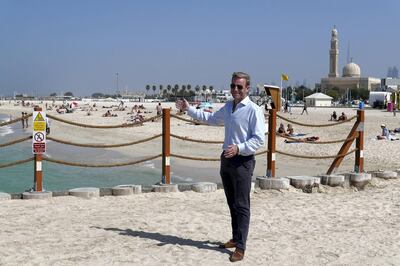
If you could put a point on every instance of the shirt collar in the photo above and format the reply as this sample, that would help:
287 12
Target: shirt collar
245 101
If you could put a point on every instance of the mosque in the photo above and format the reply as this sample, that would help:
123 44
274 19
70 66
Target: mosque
351 75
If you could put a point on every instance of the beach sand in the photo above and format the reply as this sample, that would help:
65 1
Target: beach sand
378 154
339 226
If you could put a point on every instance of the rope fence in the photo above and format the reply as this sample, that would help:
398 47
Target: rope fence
15 120
355 134
197 140
15 141
104 145
315 157
320 142
16 163
102 165
104 126
317 125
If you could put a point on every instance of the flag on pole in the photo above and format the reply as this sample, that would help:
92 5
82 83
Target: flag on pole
284 77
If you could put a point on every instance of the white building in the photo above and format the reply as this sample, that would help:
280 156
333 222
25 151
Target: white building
318 99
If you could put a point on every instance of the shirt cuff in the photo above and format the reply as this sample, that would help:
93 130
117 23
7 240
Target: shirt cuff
241 148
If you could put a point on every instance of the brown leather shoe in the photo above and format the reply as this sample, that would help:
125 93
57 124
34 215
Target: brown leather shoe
237 255
229 244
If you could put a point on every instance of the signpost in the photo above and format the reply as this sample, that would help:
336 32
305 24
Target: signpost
38 145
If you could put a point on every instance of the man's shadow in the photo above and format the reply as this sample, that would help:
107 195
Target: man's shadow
169 239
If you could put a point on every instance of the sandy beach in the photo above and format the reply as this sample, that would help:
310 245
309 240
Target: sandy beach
378 154
338 226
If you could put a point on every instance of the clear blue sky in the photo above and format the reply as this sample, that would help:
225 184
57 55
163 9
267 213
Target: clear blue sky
78 45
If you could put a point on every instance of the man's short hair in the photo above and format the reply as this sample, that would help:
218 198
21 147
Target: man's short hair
241 75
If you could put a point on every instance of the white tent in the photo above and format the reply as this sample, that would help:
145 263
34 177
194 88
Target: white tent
318 99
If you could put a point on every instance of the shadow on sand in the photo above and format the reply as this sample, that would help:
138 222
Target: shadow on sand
168 239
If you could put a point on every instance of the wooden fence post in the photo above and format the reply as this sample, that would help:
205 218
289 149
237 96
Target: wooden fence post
359 160
271 143
38 173
166 153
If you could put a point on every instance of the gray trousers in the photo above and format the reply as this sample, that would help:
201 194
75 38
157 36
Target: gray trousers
236 174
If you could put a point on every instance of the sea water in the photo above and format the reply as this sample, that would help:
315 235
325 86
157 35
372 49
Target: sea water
57 177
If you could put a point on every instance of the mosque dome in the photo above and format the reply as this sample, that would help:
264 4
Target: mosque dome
351 70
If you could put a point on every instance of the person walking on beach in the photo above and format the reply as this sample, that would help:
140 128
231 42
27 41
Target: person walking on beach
244 134
23 120
304 109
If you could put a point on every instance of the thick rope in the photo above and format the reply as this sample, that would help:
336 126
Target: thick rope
197 140
188 120
102 165
15 120
103 126
103 145
205 159
320 142
15 141
315 157
16 163
317 125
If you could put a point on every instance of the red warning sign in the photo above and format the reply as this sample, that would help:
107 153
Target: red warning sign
39 148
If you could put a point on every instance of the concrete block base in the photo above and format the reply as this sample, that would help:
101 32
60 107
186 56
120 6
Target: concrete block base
359 180
165 188
4 196
85 192
204 187
272 182
124 190
304 181
333 180
387 175
37 195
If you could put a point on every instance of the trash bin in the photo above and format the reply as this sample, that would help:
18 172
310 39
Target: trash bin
361 105
390 107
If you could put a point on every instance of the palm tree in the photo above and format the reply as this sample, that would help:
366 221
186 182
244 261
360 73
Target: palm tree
183 90
211 88
161 89
169 88
204 88
176 88
154 88
147 88
197 89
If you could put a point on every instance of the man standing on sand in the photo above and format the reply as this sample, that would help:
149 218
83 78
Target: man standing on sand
244 134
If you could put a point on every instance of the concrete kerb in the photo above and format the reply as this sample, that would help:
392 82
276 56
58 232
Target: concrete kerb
124 190
85 192
264 182
4 196
304 181
164 188
359 180
332 180
387 175
37 195
204 187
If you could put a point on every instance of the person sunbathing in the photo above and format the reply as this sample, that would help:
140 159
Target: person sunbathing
308 139
290 130
281 129
107 114
333 116
384 134
343 117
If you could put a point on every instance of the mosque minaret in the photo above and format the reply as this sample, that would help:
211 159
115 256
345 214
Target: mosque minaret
351 74
334 55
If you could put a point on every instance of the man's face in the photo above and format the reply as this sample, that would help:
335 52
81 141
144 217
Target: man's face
240 90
